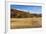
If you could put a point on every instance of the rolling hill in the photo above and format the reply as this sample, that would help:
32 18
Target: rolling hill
22 14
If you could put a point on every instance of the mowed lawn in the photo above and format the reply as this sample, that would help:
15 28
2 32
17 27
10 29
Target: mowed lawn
25 23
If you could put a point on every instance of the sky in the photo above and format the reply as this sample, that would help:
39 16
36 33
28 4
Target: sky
30 8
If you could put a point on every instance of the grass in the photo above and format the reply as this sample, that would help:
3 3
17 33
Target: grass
26 22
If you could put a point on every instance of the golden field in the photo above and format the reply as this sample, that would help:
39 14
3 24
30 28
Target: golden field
25 23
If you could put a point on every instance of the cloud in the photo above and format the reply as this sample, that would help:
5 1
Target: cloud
30 11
